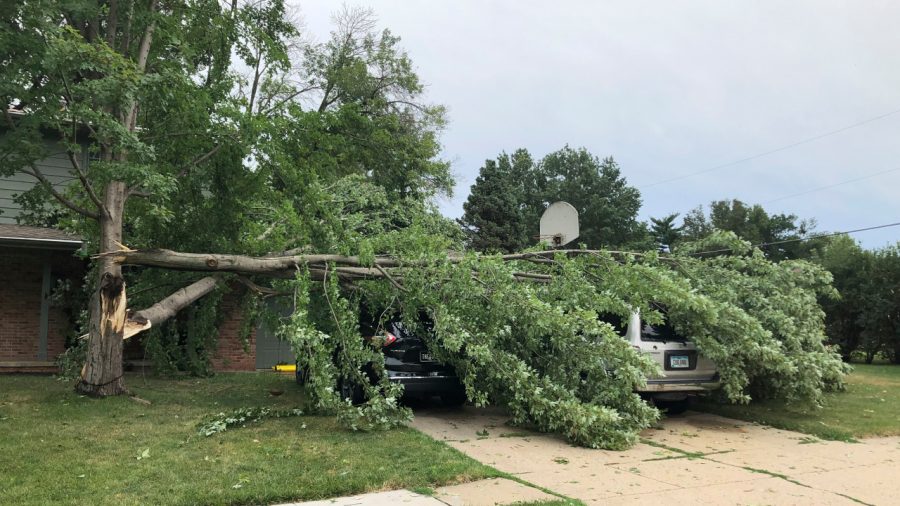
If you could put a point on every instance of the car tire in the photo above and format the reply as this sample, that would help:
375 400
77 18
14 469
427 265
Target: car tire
352 391
453 399
674 407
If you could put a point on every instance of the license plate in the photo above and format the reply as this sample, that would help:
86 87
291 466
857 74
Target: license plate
679 362
425 357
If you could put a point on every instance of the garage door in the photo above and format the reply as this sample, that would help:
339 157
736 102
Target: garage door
270 350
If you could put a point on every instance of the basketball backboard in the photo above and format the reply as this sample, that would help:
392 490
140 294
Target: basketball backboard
559 224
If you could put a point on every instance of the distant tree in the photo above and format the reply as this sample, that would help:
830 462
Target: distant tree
851 267
607 206
752 223
495 212
695 226
880 316
503 211
665 232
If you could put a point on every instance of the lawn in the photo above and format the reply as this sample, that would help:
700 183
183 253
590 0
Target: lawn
60 448
869 407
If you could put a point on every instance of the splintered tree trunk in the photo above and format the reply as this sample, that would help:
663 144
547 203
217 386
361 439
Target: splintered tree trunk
102 372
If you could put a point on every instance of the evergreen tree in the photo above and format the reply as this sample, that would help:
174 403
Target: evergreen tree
495 212
664 231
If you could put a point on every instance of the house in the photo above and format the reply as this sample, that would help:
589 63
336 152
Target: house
34 327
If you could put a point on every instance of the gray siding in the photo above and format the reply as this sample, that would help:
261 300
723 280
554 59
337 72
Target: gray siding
56 167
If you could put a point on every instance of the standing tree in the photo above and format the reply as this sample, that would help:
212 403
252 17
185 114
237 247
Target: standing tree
880 316
495 217
851 267
210 127
607 206
754 224
665 232
510 195
96 74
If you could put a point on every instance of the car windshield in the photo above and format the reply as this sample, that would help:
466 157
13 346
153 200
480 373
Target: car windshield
660 332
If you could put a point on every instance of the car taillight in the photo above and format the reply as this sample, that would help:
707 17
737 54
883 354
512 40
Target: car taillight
389 339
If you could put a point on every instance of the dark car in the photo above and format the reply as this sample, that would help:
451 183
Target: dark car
407 361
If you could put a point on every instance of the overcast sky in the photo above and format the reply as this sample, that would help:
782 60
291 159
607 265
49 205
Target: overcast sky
668 89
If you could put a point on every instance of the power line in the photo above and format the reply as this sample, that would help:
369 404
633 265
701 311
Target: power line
786 241
813 190
772 151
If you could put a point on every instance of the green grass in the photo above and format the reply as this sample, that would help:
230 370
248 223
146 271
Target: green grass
60 448
869 407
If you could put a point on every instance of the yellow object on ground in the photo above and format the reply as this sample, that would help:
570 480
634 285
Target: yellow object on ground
285 367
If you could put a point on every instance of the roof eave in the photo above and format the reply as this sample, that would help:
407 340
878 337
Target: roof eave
26 242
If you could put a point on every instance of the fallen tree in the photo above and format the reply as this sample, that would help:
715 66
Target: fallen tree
186 153
525 330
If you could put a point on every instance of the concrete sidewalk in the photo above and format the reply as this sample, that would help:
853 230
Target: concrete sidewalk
694 458
476 493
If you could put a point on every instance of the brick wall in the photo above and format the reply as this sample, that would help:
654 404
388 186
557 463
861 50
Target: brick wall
21 279
230 354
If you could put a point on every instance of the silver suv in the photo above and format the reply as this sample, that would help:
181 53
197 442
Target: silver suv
685 371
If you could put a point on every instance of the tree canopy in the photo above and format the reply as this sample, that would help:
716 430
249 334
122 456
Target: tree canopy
496 214
864 319
503 211
754 224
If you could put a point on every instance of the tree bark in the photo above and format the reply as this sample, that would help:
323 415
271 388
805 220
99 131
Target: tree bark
102 372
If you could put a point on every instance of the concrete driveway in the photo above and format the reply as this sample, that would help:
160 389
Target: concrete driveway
689 459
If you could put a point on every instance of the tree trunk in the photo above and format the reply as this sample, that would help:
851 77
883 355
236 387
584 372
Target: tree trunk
347 268
102 372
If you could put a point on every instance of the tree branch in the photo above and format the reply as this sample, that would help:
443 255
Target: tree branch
82 176
158 313
126 32
112 21
142 56
393 281
256 78
262 290
147 38
134 192
288 99
200 159
37 174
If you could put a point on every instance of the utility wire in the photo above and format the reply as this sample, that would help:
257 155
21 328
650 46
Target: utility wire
786 241
772 151
813 190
